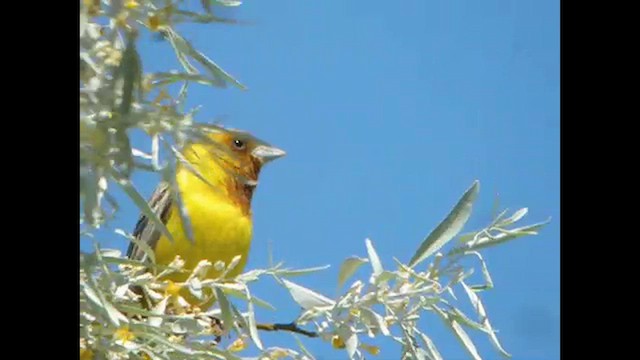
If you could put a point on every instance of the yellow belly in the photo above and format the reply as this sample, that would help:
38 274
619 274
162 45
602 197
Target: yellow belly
220 233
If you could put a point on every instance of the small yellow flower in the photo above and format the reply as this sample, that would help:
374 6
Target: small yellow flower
176 339
354 312
373 350
121 19
86 354
154 22
337 342
147 83
172 289
93 6
124 334
113 58
237 345
389 320
278 354
162 95
131 4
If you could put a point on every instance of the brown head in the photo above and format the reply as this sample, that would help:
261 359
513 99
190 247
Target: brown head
232 159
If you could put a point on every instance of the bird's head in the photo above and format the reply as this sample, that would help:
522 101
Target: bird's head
231 158
243 153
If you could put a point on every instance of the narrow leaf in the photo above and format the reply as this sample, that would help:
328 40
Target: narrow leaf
348 268
430 347
482 314
298 272
507 235
253 328
515 217
306 298
382 325
460 334
448 228
225 308
302 347
373 257
142 204
144 246
159 309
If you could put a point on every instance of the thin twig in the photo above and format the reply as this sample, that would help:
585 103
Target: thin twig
291 327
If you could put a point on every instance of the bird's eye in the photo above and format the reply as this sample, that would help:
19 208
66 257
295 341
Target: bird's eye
239 144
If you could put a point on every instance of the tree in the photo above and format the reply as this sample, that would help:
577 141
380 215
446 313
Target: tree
116 95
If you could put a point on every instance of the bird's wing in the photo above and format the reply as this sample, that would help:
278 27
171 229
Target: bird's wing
145 230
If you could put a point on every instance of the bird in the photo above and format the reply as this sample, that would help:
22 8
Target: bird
216 179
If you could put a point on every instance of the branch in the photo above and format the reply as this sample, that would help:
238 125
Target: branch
291 327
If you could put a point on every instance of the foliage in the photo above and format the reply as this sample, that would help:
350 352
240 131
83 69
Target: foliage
116 96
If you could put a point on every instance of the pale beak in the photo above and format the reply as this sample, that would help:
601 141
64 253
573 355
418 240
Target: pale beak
266 153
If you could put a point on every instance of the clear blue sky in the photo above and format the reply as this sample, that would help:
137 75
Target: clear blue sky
388 112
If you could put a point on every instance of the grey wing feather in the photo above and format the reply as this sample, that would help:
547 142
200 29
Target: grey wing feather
146 230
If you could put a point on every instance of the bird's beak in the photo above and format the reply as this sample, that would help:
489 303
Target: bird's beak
266 153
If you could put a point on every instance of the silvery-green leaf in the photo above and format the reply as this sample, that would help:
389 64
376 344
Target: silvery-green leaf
130 69
159 309
176 195
507 235
350 340
228 2
485 273
185 326
142 204
84 19
240 294
450 227
430 347
91 294
110 253
385 276
114 315
514 218
463 319
181 49
214 69
195 288
140 154
239 318
251 319
177 347
306 298
466 237
482 314
298 272
89 194
155 151
449 290
152 355
460 333
225 307
142 245
373 258
187 165
348 268
161 79
303 348
499 217
409 345
377 318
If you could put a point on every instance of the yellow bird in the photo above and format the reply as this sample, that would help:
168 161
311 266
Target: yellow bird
217 202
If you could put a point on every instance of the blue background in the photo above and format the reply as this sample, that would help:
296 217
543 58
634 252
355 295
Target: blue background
388 112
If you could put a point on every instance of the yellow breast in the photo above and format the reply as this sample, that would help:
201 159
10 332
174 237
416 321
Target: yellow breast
221 230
